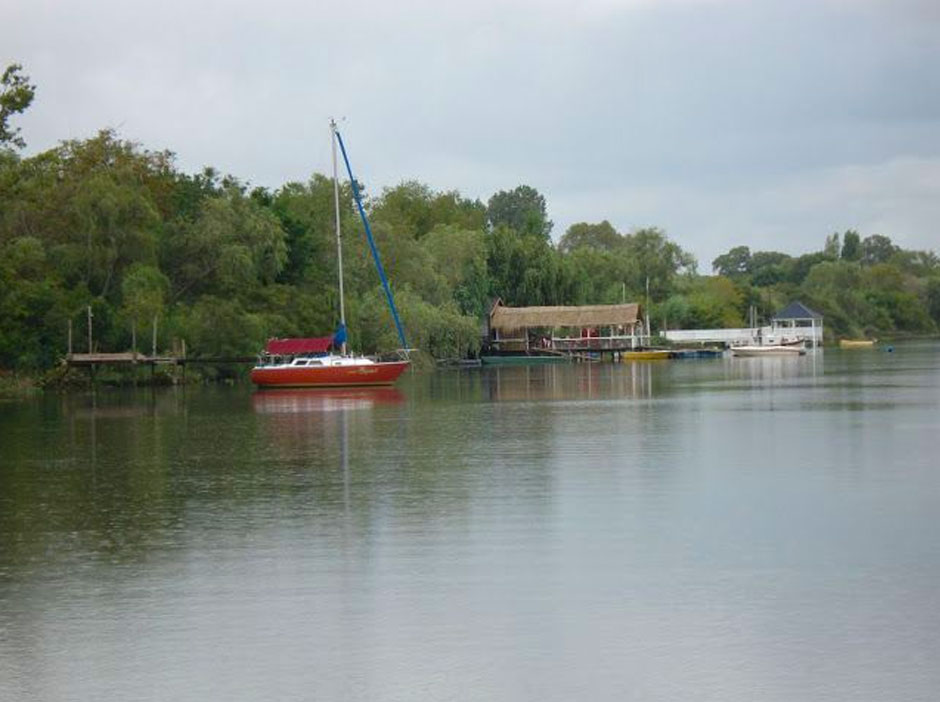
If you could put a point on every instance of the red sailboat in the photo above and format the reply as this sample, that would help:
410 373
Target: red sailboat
314 362
297 363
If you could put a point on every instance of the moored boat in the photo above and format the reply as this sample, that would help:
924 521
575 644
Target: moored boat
778 350
697 353
324 361
857 343
299 363
523 359
646 355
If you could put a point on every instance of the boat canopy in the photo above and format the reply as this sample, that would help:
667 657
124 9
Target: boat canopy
289 347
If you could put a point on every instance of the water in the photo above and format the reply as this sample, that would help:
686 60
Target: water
738 529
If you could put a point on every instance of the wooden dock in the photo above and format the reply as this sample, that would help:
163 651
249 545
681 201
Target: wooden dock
122 358
91 360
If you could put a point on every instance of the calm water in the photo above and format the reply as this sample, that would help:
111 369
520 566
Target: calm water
735 529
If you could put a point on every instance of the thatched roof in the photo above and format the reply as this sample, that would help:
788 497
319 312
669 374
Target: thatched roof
508 318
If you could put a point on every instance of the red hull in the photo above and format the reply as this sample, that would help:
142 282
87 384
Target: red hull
329 376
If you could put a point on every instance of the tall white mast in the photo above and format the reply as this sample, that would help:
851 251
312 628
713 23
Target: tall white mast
339 241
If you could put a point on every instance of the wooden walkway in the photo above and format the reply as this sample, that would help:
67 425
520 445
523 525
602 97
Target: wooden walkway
91 360
125 357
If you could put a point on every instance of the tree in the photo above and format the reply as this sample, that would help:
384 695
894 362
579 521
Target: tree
933 299
307 216
851 246
525 270
233 246
736 262
144 291
459 263
877 249
522 209
832 247
413 207
652 256
16 94
768 267
602 237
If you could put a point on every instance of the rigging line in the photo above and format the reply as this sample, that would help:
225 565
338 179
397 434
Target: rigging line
375 251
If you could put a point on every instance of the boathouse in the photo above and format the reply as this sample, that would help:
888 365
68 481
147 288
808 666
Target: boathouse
798 321
565 328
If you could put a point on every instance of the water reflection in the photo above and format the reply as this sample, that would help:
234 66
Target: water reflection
298 401
772 369
583 381
459 535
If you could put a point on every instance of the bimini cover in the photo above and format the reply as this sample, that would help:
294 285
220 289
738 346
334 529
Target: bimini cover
292 347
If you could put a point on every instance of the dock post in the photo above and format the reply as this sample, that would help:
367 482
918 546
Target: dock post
134 350
90 346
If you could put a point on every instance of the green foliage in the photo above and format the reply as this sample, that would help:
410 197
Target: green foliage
601 237
106 224
521 209
655 260
414 208
933 299
16 94
851 246
705 303
216 326
737 262
877 249
232 245
525 269
833 247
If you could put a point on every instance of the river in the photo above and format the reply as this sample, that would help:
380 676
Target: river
728 529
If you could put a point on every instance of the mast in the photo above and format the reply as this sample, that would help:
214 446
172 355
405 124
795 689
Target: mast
339 240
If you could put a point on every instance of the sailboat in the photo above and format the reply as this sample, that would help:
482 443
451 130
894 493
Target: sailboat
324 361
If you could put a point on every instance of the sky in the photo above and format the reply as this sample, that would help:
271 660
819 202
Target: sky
770 124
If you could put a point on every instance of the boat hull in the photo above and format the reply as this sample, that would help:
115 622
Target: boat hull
697 353
328 376
856 343
756 351
649 355
522 360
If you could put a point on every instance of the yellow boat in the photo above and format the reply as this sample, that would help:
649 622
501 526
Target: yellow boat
647 355
856 343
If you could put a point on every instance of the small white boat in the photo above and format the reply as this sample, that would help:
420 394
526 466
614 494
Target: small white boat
779 350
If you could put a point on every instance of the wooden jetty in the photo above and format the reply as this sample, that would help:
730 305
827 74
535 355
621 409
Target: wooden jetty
92 360
121 358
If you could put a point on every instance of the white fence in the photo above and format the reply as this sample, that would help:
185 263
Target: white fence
748 336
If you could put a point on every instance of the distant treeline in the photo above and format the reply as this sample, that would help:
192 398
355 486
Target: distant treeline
106 223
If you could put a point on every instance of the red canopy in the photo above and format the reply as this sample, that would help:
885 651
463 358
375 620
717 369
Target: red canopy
290 347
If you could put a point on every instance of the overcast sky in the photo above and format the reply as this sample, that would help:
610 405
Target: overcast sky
725 122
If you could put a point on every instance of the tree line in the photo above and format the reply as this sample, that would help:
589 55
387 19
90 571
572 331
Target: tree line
106 223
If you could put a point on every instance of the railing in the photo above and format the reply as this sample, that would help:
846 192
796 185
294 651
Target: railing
596 343
751 335
572 343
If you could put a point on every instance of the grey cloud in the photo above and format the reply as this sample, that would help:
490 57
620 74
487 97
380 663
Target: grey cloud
702 117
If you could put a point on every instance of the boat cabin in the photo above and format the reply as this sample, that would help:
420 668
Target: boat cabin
296 352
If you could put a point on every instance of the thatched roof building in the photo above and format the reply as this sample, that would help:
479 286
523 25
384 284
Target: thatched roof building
506 319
